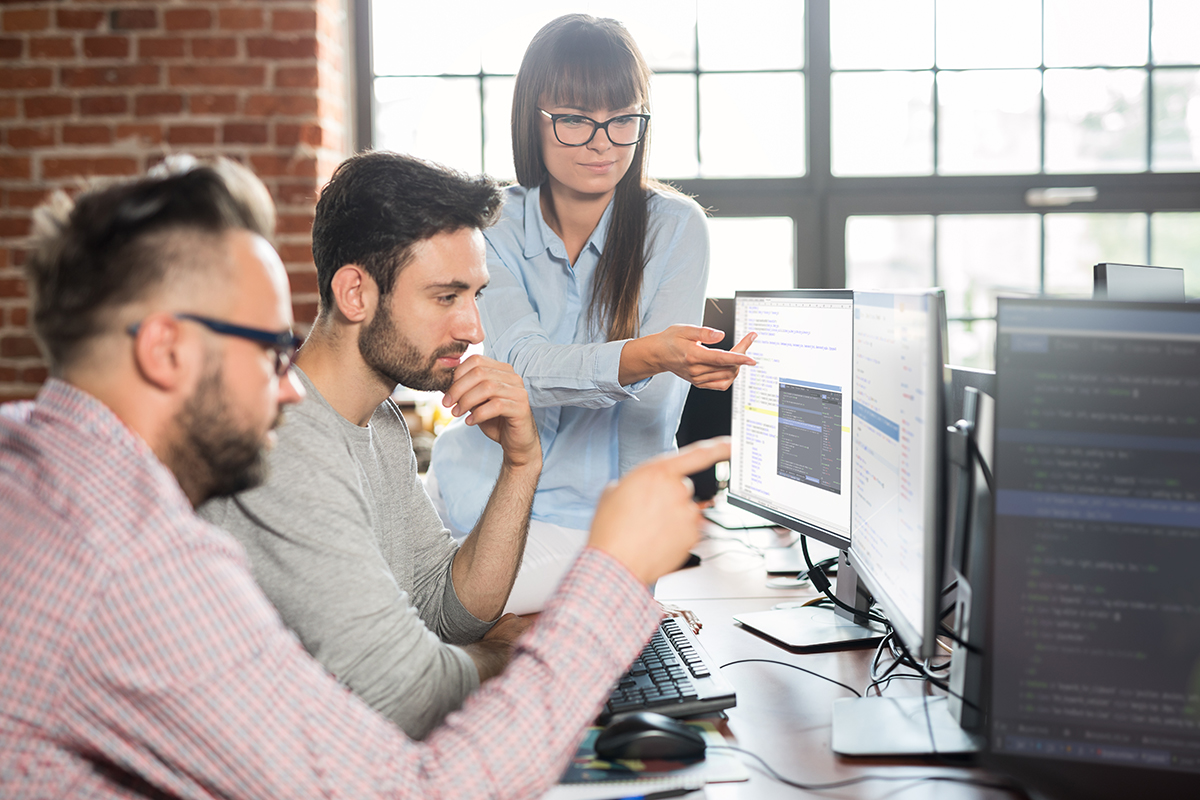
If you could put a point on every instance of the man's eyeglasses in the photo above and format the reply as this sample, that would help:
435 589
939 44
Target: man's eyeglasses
283 343
576 130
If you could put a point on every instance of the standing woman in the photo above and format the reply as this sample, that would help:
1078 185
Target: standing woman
593 265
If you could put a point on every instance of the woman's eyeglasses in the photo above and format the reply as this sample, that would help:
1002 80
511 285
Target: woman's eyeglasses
576 130
283 343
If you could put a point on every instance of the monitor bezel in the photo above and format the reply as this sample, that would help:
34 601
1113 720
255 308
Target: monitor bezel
825 535
1058 777
1101 273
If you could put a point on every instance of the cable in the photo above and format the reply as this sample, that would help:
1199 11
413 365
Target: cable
1010 786
821 584
793 666
980 461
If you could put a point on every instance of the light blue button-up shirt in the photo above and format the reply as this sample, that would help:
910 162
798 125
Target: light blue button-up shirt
535 317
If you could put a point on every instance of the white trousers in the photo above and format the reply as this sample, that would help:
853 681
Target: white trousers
550 550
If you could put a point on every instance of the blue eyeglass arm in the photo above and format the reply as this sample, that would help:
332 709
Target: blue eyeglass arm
282 340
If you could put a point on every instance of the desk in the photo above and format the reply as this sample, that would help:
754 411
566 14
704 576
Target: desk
784 715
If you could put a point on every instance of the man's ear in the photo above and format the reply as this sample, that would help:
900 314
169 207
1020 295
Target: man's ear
159 354
354 293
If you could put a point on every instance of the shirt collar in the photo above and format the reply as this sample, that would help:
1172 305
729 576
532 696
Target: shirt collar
539 237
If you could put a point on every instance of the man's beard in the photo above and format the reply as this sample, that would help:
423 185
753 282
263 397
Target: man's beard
391 355
214 456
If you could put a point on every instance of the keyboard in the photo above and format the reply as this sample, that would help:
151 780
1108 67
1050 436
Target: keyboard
674 675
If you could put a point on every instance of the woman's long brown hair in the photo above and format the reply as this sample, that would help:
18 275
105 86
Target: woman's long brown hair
585 62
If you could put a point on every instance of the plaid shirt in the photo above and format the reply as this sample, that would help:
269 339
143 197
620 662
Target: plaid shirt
138 657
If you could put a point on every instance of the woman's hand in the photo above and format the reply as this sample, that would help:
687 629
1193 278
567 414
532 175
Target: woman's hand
680 349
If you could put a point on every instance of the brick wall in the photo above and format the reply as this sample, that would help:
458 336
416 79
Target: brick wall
101 89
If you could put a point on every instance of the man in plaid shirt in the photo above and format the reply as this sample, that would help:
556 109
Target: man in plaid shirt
139 658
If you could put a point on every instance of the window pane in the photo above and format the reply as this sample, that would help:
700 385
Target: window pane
1175 242
434 118
983 255
1176 119
1175 25
1076 242
752 125
974 34
1085 33
673 126
881 34
882 123
887 252
731 38
508 33
664 29
973 344
750 254
401 44
989 122
1095 120
497 120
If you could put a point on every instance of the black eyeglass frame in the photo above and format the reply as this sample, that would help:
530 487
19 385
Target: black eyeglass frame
596 127
283 343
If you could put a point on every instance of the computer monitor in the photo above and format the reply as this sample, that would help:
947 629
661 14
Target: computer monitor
1137 283
790 462
1094 634
898 533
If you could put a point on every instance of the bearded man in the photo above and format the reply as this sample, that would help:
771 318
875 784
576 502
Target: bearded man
343 538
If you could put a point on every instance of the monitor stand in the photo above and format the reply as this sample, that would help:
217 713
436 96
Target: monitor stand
899 726
815 629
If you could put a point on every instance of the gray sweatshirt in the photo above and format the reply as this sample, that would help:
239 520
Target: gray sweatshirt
344 541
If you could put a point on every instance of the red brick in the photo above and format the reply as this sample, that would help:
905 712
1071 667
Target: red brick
218 76
240 19
18 346
192 134
187 19
19 316
244 133
295 253
51 105
51 47
86 134
30 19
14 167
269 105
128 19
27 198
295 194
293 20
8 374
212 103
13 287
82 77
8 107
287 135
304 313
34 375
14 226
24 138
82 167
160 47
296 77
78 20
304 47
11 47
146 133
104 104
296 223
25 77
106 46
147 104
214 47
298 166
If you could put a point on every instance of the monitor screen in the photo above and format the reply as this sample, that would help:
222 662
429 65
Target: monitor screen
1134 282
792 411
1095 622
897 499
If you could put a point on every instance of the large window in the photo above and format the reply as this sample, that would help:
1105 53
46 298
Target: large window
987 147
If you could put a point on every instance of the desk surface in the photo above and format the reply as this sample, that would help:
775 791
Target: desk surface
784 715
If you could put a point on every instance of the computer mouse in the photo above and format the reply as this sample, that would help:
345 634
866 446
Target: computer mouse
644 735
